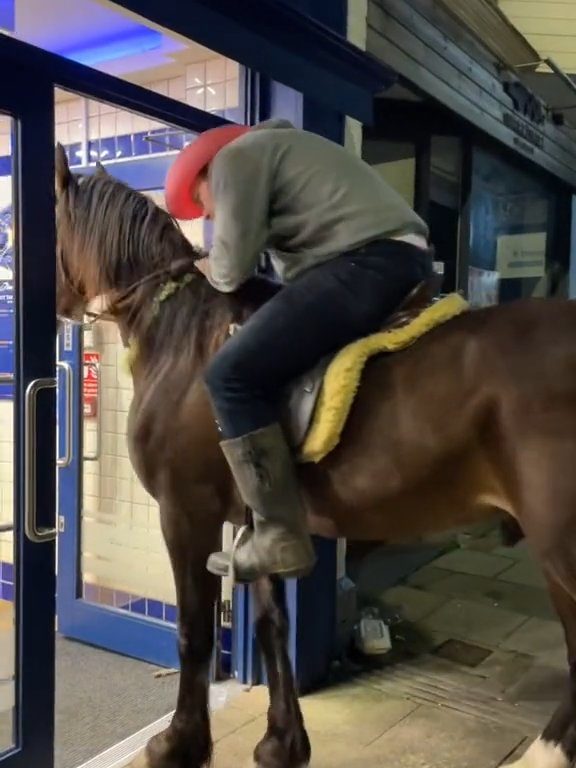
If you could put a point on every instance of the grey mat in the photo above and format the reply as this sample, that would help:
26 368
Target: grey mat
102 698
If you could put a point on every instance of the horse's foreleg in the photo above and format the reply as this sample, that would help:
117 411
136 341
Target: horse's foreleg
286 743
187 742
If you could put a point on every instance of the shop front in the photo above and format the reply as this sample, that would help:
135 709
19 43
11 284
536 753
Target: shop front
485 161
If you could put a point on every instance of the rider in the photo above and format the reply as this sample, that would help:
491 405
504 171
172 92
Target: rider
349 249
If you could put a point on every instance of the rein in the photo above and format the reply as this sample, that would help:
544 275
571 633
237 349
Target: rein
169 284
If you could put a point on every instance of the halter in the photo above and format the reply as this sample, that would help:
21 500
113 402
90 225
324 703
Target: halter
169 284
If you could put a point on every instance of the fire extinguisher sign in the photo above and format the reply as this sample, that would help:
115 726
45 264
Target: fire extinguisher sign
91 384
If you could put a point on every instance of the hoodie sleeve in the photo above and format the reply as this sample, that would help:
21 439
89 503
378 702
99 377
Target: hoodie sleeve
240 185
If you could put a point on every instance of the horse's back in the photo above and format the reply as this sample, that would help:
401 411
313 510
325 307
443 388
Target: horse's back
438 408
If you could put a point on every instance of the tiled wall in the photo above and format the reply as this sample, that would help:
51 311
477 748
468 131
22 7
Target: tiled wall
124 559
212 85
123 554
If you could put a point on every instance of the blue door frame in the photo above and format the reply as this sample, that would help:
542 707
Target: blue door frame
31 103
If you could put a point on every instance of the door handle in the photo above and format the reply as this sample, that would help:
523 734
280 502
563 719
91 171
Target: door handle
66 459
35 534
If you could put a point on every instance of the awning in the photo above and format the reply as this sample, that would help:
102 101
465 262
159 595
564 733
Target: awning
274 39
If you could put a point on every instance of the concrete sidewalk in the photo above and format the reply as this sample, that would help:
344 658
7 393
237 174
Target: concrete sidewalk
479 664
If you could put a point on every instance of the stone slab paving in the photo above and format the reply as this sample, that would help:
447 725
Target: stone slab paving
355 727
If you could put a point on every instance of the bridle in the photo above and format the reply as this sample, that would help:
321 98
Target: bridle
113 308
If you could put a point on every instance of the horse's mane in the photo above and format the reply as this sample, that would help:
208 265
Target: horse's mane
119 237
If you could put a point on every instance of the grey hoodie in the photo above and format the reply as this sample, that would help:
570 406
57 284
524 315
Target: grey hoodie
301 197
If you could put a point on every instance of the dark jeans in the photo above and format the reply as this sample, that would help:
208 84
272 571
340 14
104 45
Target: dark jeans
323 310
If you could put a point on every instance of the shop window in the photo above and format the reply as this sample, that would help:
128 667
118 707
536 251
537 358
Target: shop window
395 161
513 218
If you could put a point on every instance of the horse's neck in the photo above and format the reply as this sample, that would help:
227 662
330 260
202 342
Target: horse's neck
212 316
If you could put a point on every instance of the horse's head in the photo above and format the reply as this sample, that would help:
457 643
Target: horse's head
111 239
77 281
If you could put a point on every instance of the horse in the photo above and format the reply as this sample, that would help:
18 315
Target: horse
476 417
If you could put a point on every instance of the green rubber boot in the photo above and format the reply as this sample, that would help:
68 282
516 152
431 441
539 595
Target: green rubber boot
263 468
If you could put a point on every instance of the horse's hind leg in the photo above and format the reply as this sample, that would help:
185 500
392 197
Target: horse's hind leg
548 493
286 743
187 742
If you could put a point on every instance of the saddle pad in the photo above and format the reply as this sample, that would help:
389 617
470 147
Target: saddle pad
344 372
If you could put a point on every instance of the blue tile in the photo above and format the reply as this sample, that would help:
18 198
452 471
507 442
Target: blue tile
107 148
7 592
7 573
154 609
75 154
6 165
138 606
170 613
124 146
140 144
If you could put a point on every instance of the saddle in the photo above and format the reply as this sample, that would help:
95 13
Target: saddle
302 395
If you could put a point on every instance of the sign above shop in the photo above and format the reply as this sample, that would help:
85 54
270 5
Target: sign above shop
528 109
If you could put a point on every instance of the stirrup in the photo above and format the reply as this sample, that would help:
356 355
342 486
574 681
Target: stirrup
222 563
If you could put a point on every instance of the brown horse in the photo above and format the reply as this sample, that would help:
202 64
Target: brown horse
480 415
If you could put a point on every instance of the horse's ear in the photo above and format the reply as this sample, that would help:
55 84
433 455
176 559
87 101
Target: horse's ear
63 175
100 170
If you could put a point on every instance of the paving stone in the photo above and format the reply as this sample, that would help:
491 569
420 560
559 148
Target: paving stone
361 718
517 754
425 577
472 562
518 552
229 720
412 604
530 601
503 669
541 639
432 737
466 620
237 749
540 686
526 572
254 700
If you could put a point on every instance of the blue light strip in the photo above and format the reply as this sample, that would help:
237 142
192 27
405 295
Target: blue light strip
7 16
140 41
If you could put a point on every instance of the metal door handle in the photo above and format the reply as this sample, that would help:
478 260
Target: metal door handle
66 460
35 534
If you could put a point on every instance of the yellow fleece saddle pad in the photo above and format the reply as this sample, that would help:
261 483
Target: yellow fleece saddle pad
343 375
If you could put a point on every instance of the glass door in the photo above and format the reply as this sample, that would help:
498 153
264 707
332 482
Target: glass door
27 422
115 585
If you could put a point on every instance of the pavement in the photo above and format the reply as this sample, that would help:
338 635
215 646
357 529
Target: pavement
477 669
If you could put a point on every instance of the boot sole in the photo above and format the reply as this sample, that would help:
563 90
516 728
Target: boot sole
217 568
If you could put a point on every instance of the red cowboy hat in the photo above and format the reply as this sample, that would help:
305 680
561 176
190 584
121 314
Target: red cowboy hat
190 162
